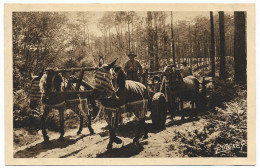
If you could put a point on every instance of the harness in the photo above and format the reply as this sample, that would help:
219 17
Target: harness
113 116
103 82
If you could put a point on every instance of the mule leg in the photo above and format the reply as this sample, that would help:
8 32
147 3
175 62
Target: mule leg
81 117
43 118
182 113
84 108
178 104
89 125
192 107
61 113
171 109
94 106
137 136
145 130
196 108
111 138
81 124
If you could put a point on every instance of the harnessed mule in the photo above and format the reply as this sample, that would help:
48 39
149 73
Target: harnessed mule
35 94
52 82
186 89
127 96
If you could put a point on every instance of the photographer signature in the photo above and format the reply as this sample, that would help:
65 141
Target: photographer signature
226 148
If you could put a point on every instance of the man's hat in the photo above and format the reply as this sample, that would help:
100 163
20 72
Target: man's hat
184 63
172 65
131 54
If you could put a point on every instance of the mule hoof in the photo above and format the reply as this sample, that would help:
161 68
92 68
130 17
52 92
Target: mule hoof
182 118
135 141
145 136
79 132
109 146
61 138
117 140
46 139
92 132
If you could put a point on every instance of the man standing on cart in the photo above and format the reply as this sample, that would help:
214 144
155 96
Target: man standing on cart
133 68
185 69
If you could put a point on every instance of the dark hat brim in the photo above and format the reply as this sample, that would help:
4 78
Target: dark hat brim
131 55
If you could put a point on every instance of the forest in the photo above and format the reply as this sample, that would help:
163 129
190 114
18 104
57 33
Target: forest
213 43
58 40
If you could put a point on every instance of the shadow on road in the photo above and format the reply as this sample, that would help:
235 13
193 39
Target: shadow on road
33 151
123 152
180 122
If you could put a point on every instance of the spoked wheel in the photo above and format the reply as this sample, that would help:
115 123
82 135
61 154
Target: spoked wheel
159 110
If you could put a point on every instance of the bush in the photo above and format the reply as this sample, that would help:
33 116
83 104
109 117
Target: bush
224 90
22 114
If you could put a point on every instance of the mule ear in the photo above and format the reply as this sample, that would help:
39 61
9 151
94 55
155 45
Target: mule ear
31 76
112 64
100 61
41 73
117 68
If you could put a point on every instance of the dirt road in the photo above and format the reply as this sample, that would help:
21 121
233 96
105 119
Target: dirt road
86 145
205 136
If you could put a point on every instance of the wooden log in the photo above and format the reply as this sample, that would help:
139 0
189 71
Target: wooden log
155 72
74 91
75 69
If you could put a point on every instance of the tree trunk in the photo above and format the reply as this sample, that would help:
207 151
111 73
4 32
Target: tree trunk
132 37
150 40
122 41
190 48
156 57
129 36
109 40
173 45
222 73
240 53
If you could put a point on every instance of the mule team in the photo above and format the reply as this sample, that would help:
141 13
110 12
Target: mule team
115 93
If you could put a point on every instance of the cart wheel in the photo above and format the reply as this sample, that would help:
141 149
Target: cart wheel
159 109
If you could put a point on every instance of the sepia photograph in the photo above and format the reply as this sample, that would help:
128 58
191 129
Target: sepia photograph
126 83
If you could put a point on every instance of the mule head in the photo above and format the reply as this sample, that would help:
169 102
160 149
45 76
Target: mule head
179 76
34 90
36 77
73 79
50 82
104 80
100 61
170 73
119 78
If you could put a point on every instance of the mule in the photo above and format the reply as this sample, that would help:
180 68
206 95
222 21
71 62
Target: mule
184 89
118 95
51 86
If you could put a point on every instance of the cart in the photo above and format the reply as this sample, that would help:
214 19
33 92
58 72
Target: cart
163 100
79 73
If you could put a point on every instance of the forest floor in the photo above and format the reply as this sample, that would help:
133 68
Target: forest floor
218 132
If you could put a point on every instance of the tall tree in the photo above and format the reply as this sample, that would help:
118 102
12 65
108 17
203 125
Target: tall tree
83 18
222 73
150 40
173 45
212 53
190 48
128 17
156 55
240 48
